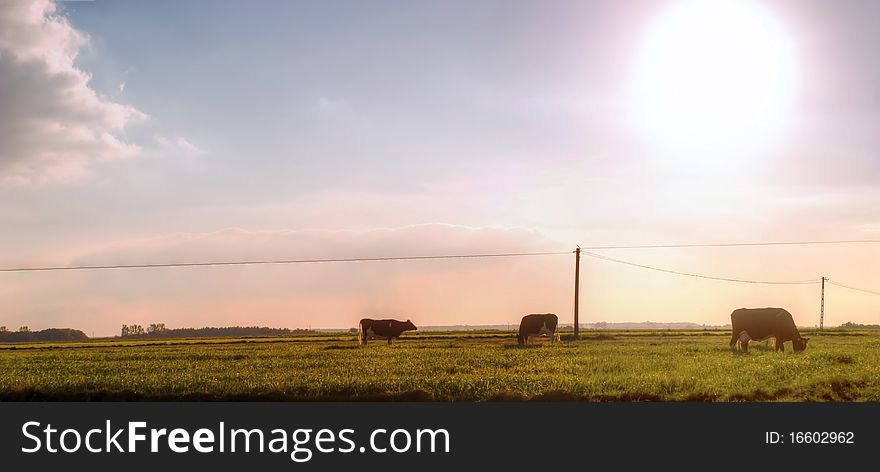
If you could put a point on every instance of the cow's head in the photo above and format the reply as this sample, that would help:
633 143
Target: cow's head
409 326
799 344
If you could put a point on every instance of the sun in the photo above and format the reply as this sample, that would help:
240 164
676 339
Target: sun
713 78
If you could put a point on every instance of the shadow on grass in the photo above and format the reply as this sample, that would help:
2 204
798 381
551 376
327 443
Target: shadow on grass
598 337
845 359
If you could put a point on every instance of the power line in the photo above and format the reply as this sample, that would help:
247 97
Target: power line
852 288
771 243
710 277
279 261
458 256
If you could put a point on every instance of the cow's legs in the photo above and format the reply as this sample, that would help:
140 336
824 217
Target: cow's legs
733 340
389 340
780 345
744 339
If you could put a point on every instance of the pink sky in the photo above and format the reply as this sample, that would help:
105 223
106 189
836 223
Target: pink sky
314 133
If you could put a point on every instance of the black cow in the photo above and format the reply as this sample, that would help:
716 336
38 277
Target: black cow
763 323
389 329
536 325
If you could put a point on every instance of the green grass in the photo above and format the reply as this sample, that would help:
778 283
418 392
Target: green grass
473 366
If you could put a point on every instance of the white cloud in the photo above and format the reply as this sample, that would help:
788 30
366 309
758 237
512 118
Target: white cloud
189 149
54 126
332 106
870 228
180 146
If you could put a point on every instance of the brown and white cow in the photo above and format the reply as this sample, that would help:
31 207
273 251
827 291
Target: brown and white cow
388 329
759 324
536 325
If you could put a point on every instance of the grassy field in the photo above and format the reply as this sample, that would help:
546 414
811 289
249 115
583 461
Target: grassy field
472 366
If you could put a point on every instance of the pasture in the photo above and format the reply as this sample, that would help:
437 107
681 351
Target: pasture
839 365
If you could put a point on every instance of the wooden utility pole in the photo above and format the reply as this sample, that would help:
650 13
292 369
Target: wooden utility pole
577 286
822 307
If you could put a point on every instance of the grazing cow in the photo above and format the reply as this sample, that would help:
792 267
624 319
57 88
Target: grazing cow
389 329
761 323
536 325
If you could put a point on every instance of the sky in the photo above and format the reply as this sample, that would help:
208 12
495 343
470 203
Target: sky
168 131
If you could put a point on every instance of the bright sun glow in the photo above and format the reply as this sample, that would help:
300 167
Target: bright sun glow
714 77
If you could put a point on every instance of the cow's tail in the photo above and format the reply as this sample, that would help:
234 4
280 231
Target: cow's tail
361 333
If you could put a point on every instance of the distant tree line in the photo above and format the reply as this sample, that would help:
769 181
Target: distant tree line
851 325
138 330
24 334
158 330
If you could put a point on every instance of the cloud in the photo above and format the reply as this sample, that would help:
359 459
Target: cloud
180 146
54 126
332 106
189 149
873 228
